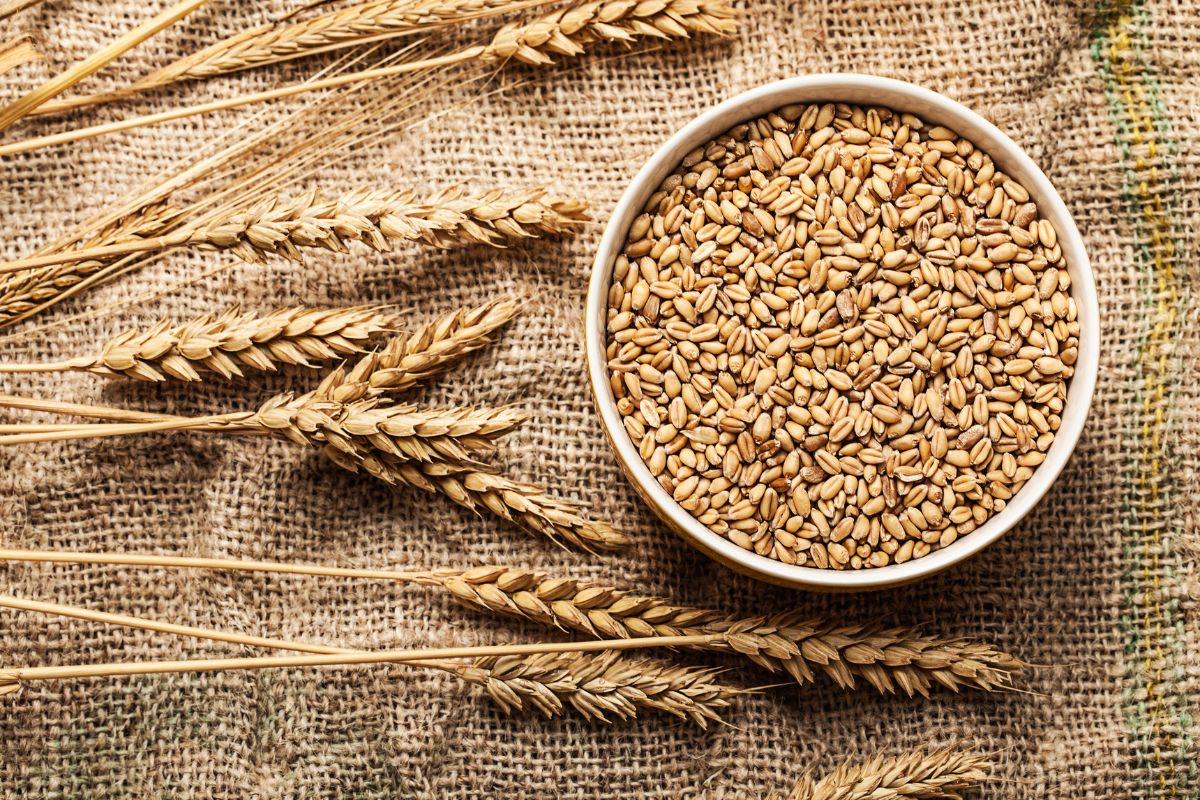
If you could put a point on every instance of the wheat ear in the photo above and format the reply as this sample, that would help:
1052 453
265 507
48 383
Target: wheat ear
889 659
271 44
563 33
276 227
907 658
598 685
409 358
525 504
229 342
916 775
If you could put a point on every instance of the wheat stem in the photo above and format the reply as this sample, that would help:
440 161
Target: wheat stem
69 77
10 7
216 422
12 678
223 564
141 623
17 51
565 33
82 409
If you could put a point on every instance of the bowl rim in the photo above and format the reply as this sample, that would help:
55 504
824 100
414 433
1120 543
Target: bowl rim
938 109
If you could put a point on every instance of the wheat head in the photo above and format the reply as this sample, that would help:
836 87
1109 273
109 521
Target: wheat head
602 686
286 228
917 775
231 341
889 659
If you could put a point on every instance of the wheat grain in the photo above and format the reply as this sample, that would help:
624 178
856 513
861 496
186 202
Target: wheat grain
237 169
889 659
916 775
600 686
475 486
228 342
908 659
854 419
522 503
25 293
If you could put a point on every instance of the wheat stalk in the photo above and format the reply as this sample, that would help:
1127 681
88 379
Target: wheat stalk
228 342
562 33
17 51
903 658
374 217
10 7
12 679
271 44
889 659
598 685
916 775
69 77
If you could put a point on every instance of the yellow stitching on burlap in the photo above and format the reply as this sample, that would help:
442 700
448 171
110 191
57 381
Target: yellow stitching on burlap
1155 354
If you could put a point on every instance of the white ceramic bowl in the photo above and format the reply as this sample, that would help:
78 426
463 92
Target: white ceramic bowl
934 109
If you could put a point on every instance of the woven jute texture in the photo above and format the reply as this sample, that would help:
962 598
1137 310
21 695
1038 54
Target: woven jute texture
1095 586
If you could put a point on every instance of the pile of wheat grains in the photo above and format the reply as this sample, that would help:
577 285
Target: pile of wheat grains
841 337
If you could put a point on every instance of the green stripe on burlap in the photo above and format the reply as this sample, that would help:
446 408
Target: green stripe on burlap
1158 716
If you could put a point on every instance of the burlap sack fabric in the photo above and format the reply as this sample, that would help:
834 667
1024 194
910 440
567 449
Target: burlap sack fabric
1094 584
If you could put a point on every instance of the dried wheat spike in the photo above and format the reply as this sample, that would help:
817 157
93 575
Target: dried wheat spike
889 659
569 31
270 44
285 228
397 432
601 686
23 293
410 358
475 485
231 341
917 775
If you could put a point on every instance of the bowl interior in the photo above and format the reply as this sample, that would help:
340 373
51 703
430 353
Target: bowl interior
934 109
